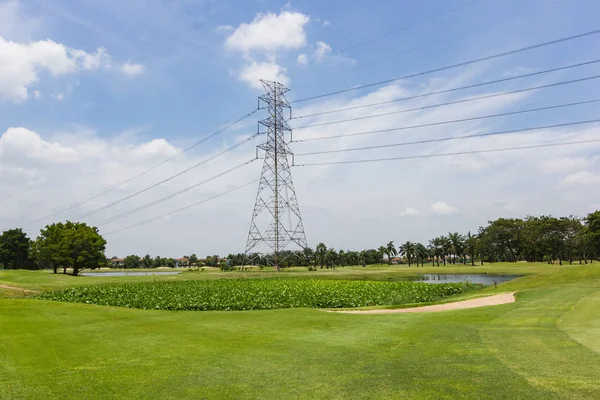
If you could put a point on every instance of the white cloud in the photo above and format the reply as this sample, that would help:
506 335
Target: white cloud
302 59
253 72
409 212
59 96
321 51
270 32
37 95
24 143
224 29
131 69
564 164
326 23
20 63
582 178
443 208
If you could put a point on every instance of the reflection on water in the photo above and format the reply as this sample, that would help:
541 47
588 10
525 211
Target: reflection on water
484 279
124 273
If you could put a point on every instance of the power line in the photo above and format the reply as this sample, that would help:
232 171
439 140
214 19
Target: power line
182 208
452 121
169 178
445 139
442 40
448 90
447 67
165 198
196 144
458 153
489 96
408 26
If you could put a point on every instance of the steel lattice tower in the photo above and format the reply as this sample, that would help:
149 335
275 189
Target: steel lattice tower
276 219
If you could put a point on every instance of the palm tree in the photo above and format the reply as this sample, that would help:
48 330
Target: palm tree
321 253
331 257
437 248
422 253
408 250
456 244
471 246
390 250
309 255
446 247
363 258
381 250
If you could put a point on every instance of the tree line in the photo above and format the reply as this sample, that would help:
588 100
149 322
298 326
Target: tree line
70 246
533 239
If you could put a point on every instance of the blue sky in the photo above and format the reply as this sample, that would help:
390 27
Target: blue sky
171 71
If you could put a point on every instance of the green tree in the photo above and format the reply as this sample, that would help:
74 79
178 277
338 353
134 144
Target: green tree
131 261
14 249
381 250
50 248
321 254
408 250
456 246
421 253
194 259
390 251
85 246
471 246
147 261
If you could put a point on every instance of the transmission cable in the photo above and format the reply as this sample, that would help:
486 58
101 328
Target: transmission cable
240 143
458 153
452 121
447 67
408 26
445 139
196 144
441 40
182 209
489 96
165 198
447 90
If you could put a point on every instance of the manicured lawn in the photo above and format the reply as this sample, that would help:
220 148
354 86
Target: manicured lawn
543 346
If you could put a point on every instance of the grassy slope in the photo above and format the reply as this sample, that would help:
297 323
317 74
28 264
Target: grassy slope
520 350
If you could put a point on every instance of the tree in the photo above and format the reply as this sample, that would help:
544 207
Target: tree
50 248
436 246
390 250
147 261
408 250
471 246
85 246
421 253
194 259
381 250
456 245
321 254
14 249
131 261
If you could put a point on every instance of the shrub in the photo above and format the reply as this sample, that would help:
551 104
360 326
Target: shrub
257 294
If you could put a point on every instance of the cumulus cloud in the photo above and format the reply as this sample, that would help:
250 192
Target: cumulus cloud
20 64
442 208
582 178
252 73
302 59
409 212
269 33
322 49
24 143
132 69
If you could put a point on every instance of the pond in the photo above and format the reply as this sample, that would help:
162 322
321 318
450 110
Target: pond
484 279
125 273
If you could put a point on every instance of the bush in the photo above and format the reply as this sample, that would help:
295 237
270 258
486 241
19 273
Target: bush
257 294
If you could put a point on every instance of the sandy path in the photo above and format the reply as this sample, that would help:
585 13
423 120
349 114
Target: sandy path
458 305
17 288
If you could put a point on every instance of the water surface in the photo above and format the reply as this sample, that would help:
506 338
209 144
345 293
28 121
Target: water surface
484 279
124 273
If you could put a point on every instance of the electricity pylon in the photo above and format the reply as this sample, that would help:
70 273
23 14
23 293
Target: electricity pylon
276 219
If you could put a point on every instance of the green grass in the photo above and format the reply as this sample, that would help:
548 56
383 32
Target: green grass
544 346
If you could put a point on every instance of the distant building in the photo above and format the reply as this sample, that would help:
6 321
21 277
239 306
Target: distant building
116 262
